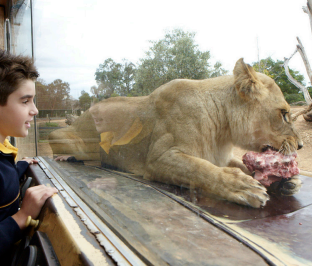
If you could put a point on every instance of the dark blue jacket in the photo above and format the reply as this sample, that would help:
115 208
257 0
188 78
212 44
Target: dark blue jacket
10 176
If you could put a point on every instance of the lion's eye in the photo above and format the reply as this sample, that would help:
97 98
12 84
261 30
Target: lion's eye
285 116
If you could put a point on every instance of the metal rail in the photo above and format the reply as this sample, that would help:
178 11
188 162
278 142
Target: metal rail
114 247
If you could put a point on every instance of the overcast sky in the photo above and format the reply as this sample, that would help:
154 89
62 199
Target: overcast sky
72 37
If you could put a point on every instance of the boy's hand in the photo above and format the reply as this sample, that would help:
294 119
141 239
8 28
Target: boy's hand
29 160
62 158
32 203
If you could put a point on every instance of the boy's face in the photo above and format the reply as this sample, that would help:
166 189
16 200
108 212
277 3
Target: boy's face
16 115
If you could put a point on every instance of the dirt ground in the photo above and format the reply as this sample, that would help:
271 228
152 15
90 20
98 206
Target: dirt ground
304 155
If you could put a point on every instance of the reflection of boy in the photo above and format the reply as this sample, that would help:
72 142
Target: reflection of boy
17 109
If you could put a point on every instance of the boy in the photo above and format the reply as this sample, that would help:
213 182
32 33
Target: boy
17 109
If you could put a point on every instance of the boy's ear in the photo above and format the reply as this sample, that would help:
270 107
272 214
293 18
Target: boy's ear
246 83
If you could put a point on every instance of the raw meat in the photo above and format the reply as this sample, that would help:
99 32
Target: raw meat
270 166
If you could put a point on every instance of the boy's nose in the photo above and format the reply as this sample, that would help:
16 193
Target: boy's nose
34 111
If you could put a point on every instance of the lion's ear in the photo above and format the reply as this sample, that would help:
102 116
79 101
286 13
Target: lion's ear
246 83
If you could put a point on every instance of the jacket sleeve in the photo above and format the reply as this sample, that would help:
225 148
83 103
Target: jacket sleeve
21 168
9 234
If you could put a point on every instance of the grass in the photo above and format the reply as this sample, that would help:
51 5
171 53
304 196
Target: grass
44 133
51 124
46 129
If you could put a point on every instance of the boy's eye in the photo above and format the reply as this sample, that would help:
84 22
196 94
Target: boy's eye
25 101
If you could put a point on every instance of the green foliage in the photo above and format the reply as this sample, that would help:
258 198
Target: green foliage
51 124
52 96
175 56
218 70
293 98
276 71
113 78
114 95
85 100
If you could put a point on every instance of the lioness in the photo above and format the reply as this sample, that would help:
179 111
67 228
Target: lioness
184 133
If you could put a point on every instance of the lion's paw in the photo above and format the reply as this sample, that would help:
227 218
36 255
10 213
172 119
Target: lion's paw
243 189
286 187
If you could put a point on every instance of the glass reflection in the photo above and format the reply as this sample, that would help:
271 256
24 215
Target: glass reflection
21 43
103 102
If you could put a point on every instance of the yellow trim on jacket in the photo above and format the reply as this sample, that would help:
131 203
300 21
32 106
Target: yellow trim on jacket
11 201
7 148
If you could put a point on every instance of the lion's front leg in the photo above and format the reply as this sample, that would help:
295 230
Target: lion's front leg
239 164
286 187
228 183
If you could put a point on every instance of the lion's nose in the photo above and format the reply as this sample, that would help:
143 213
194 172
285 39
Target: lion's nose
300 145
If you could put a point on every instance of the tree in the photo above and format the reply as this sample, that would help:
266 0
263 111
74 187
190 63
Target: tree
42 97
95 91
275 70
59 91
218 70
85 100
73 104
108 77
174 56
308 113
114 78
52 96
128 73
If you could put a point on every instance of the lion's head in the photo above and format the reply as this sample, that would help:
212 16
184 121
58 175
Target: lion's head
266 114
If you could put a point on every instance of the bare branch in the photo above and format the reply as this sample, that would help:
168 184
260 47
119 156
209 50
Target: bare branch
292 54
304 111
304 57
307 9
304 90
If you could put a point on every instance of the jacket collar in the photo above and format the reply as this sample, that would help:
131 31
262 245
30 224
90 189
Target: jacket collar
7 148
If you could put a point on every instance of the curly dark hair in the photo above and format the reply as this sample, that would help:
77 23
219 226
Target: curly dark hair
14 69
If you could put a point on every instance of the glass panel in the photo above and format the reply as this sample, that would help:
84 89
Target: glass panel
161 230
21 27
21 43
103 107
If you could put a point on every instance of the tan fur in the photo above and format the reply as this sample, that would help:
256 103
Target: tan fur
188 129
